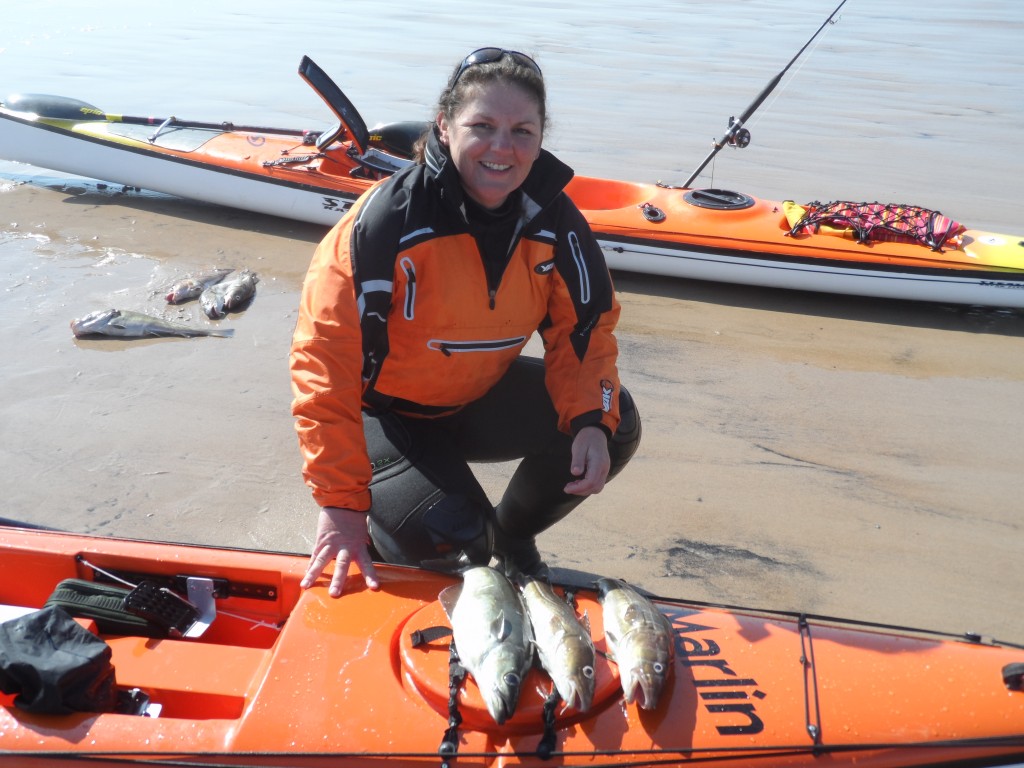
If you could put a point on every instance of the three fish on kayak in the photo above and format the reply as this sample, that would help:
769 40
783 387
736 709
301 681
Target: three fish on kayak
496 629
216 295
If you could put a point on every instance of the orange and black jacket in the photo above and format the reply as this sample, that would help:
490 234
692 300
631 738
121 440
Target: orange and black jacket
399 312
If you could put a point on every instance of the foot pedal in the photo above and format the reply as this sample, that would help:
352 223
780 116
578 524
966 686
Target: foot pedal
162 607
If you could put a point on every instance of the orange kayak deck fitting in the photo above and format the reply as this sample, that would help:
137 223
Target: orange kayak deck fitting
284 676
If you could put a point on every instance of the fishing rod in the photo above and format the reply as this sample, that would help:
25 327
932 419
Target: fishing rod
738 136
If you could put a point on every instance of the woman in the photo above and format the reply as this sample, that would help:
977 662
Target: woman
405 360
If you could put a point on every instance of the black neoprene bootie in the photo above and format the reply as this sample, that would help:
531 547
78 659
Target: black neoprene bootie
520 556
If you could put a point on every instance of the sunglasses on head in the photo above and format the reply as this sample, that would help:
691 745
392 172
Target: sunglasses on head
489 55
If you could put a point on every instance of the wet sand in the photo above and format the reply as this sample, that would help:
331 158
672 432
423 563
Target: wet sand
833 455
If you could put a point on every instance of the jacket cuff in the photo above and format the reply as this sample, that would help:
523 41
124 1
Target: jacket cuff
357 502
590 419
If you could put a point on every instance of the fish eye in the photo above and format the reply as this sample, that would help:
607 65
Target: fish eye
588 672
659 668
511 679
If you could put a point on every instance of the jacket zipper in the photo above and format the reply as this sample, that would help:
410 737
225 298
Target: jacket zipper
447 347
410 289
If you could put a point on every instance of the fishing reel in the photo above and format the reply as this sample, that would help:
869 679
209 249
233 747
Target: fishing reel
738 137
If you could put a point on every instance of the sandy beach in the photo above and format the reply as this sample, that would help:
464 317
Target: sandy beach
804 452
834 455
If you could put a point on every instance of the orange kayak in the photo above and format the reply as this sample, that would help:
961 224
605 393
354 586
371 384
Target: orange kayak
705 234
280 676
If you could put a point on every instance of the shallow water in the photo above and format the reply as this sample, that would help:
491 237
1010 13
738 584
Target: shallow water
776 424
899 101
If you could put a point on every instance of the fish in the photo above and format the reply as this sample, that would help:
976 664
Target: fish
492 636
128 324
640 641
562 642
191 287
229 295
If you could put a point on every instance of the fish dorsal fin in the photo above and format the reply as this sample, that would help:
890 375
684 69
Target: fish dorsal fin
449 596
585 622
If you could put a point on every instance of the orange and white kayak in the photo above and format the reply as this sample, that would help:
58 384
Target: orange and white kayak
718 235
281 676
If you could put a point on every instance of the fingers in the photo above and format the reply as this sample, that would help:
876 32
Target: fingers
317 563
340 574
369 573
590 463
344 560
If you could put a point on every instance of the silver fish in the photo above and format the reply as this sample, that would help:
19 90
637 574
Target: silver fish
491 634
640 640
128 324
563 644
229 295
191 287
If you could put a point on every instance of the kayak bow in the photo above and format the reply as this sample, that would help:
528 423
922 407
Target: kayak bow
283 675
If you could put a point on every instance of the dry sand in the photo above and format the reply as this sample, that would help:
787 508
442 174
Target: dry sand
834 455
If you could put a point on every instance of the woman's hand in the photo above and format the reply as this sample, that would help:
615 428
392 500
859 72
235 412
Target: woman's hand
590 462
340 533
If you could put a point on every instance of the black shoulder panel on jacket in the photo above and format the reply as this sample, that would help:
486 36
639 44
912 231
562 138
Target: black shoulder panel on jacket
580 262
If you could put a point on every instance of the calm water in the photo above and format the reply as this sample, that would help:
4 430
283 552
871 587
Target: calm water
918 102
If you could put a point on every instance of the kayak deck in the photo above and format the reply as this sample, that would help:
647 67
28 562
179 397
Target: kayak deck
287 671
643 227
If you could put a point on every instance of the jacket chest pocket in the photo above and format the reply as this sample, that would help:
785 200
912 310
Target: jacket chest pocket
450 347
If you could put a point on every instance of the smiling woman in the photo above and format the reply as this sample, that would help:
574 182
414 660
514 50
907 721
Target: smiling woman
494 140
491 120
778 423
480 249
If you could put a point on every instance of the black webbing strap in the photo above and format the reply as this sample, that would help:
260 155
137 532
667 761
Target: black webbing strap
428 635
546 747
456 674
450 741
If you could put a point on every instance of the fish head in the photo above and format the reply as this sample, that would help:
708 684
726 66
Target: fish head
500 678
576 688
94 322
182 291
643 684
644 667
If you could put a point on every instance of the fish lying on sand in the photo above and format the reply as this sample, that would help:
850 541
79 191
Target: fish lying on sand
563 644
229 295
640 640
492 636
128 324
191 287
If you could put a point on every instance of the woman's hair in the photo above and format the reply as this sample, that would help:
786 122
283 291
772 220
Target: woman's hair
504 70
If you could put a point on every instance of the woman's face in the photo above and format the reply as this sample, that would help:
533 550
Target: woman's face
494 140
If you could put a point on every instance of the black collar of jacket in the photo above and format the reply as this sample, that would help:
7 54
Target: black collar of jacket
546 180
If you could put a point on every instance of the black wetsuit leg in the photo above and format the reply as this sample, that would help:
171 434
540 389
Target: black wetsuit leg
422 482
517 419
